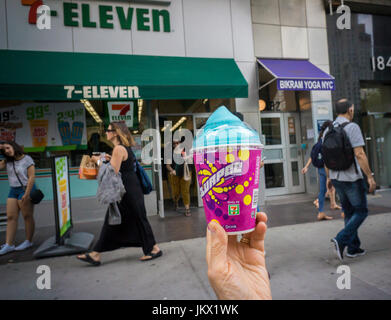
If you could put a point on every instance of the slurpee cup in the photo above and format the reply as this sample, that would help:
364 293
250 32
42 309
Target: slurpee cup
227 156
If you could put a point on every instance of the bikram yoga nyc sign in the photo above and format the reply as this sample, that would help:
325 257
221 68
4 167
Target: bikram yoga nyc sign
81 14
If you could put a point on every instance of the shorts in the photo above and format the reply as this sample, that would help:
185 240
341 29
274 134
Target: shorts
17 192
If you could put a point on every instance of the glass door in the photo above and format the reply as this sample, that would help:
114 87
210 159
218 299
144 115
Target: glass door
274 153
294 156
282 153
157 166
199 120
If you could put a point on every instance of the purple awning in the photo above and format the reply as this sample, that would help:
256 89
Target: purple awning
297 74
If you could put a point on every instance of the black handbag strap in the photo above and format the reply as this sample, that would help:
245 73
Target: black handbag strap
21 184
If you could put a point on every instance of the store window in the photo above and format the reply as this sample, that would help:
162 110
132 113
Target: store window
275 100
79 128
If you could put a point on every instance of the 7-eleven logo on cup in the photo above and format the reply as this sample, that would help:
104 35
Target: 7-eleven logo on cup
233 210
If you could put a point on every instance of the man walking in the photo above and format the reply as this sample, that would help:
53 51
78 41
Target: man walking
349 182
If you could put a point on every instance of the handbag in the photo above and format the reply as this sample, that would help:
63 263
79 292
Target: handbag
87 169
114 214
186 172
146 184
36 195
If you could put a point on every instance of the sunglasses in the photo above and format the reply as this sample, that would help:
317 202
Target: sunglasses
109 130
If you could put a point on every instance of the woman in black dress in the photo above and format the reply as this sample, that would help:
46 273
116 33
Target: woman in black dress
134 230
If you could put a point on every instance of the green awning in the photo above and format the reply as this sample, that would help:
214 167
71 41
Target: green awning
39 75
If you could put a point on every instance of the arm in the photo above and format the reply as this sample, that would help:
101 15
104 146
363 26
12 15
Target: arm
30 182
329 184
170 169
363 161
117 158
305 169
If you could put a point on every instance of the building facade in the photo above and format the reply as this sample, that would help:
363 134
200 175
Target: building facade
360 60
290 30
145 62
155 61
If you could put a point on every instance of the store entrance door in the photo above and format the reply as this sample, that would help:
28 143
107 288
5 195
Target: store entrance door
157 166
284 161
377 132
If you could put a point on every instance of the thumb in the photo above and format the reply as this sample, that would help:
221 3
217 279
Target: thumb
216 242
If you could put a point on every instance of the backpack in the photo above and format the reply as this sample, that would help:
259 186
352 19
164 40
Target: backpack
337 151
146 184
316 155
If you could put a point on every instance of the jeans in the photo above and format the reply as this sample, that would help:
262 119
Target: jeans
354 204
322 188
18 192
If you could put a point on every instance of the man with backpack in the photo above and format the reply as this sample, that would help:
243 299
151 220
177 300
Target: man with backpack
344 159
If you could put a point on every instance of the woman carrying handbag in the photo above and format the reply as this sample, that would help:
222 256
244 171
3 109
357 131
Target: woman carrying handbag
134 229
21 177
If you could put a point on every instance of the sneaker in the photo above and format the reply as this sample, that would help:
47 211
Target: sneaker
356 253
5 248
24 245
338 249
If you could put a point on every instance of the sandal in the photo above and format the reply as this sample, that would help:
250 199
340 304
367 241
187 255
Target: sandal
187 213
89 260
153 255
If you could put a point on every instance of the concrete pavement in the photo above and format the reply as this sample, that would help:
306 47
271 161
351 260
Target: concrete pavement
300 260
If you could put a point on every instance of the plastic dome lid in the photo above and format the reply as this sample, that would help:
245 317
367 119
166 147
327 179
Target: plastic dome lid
225 129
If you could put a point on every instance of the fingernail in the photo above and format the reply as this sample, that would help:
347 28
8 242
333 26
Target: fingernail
212 226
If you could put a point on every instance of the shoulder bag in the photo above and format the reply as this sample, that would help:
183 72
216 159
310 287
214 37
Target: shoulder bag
36 195
146 184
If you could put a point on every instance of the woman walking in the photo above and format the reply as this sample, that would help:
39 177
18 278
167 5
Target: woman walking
21 177
322 180
134 230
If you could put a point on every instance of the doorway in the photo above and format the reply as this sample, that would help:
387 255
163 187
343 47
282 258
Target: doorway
376 121
282 153
192 122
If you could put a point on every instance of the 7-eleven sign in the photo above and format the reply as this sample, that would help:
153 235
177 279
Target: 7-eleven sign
121 111
233 210
34 5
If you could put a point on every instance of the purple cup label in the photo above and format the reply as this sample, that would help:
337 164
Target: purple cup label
228 179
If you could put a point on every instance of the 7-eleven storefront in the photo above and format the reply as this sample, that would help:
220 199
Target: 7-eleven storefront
55 100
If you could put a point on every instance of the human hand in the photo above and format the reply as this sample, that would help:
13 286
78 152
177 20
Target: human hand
372 184
173 172
107 157
95 159
25 197
236 270
261 164
329 184
304 170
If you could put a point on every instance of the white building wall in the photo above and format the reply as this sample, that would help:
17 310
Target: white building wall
295 29
3 25
202 28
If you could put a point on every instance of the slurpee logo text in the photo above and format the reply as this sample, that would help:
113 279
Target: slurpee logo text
227 172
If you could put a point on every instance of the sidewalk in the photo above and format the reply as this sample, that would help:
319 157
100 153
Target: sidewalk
282 211
300 260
